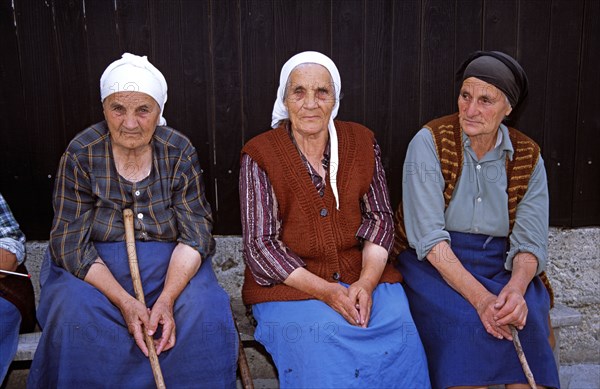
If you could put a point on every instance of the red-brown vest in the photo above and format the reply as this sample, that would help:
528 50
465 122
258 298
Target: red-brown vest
312 227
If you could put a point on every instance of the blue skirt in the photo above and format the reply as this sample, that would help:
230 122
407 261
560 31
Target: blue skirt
314 347
86 343
459 350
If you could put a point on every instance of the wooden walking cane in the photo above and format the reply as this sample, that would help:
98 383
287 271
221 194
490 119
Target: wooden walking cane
245 375
139 294
522 359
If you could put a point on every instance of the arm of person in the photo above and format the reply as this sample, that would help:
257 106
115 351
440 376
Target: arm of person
528 252
134 312
195 241
267 257
377 234
184 264
12 240
374 259
8 261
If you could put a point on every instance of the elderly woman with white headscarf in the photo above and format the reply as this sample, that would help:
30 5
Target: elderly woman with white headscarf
317 228
91 320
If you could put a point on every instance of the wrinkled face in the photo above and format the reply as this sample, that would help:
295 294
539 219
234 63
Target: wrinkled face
132 118
481 107
309 98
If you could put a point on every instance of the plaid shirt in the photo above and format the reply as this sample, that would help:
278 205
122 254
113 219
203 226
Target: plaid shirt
261 222
89 198
11 237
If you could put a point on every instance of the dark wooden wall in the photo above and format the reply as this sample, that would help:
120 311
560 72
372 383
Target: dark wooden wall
222 58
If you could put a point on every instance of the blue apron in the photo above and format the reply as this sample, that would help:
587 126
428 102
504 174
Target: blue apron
313 346
85 342
459 350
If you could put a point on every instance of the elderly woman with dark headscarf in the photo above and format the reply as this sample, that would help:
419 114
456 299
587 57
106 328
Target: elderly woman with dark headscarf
475 204
92 322
317 227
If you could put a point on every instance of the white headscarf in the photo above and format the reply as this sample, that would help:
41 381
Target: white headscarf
280 111
135 74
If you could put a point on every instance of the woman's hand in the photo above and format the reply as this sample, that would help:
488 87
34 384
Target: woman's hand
338 298
162 314
136 317
512 307
487 311
361 293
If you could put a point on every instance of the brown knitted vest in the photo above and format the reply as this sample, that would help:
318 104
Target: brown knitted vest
447 136
312 227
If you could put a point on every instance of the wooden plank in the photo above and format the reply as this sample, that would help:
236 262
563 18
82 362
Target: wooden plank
42 121
348 52
198 86
469 35
404 95
228 108
561 106
133 22
534 20
103 47
500 26
301 26
586 207
167 57
15 160
72 68
378 72
259 70
437 60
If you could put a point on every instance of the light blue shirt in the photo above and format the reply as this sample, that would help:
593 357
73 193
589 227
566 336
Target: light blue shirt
479 204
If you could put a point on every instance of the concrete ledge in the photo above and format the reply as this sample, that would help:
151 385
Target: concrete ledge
563 316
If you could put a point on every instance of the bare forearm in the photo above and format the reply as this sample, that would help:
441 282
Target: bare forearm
374 259
102 279
307 282
453 272
8 261
184 264
524 269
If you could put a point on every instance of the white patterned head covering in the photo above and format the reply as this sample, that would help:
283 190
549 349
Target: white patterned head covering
280 111
135 74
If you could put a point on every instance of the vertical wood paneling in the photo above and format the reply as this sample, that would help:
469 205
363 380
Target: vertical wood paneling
437 60
167 57
348 52
43 119
404 94
261 74
586 206
133 22
197 73
228 109
301 26
15 159
500 26
378 69
561 106
102 48
222 60
72 69
469 35
533 57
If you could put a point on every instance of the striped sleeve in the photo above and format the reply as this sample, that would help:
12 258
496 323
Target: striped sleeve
267 257
377 216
